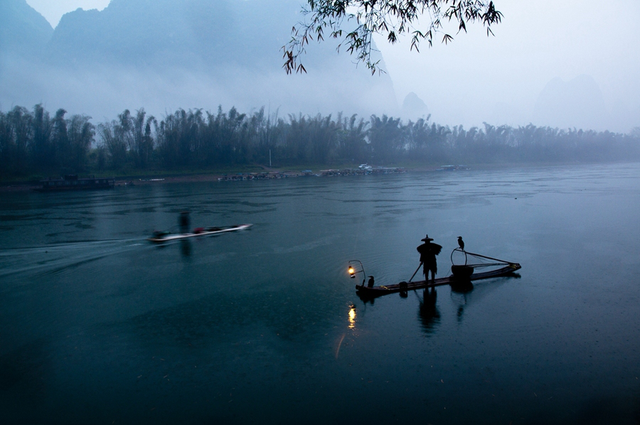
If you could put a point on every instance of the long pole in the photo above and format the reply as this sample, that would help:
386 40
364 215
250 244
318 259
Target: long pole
414 273
488 258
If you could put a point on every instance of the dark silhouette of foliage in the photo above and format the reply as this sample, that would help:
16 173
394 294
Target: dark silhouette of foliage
33 143
80 133
60 139
386 138
354 22
21 122
42 149
113 145
352 140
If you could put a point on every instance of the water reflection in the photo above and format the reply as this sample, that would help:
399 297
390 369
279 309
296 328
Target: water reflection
352 316
185 248
428 312
462 287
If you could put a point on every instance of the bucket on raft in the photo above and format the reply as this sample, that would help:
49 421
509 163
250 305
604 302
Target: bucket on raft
462 272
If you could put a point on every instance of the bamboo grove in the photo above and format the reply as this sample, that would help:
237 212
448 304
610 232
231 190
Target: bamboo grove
34 143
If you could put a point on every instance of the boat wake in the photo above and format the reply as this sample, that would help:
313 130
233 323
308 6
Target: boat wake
58 257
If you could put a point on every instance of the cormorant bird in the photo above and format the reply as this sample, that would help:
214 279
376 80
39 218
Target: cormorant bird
460 243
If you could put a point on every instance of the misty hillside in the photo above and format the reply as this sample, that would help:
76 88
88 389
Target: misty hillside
578 102
23 31
142 33
191 33
168 54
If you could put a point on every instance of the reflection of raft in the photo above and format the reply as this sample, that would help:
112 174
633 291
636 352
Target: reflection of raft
160 237
461 274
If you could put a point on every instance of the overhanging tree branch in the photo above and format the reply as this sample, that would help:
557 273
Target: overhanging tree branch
389 18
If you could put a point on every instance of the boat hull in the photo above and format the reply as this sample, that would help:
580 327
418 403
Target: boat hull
169 238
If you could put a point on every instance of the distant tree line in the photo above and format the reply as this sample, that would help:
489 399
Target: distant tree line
34 143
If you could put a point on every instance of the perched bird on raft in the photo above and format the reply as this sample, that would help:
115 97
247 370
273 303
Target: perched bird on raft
460 243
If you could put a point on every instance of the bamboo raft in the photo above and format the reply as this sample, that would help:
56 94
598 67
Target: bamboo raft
461 275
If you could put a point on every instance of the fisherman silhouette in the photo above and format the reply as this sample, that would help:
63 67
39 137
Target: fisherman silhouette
461 243
428 252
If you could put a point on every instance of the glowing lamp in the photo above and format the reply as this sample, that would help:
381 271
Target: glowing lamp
353 271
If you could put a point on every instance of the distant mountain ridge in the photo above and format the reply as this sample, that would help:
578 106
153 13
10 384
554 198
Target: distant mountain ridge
140 32
168 54
575 103
23 31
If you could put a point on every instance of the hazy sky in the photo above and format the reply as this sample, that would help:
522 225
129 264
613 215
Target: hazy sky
53 10
478 77
498 79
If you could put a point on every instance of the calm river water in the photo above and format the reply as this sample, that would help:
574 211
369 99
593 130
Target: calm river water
99 326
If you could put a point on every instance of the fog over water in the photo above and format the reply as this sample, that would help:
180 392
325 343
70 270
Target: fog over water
553 64
186 54
577 50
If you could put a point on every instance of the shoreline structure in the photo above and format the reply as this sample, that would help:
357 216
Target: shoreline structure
217 177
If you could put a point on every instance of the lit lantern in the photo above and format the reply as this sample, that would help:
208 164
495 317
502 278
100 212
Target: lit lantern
353 271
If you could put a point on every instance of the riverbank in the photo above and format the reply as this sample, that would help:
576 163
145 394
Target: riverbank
266 174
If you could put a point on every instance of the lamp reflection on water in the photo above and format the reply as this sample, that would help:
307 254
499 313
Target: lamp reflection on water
352 325
352 316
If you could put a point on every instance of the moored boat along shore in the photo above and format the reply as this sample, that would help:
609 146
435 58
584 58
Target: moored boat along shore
267 174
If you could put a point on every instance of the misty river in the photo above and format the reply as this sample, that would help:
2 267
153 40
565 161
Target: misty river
100 326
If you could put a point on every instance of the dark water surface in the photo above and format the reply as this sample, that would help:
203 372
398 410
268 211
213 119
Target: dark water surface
98 326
